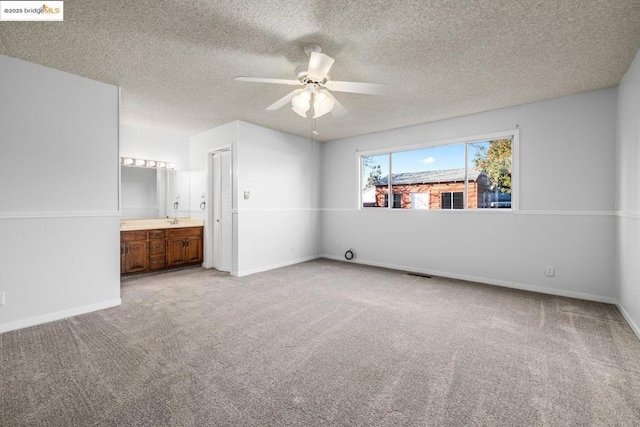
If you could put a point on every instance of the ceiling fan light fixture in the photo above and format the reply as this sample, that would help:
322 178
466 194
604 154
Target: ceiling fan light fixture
322 103
300 112
300 103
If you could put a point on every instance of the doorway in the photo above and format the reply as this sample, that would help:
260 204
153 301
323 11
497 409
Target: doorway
220 217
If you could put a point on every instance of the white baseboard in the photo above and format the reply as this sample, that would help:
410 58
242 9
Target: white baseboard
58 315
274 266
630 321
505 284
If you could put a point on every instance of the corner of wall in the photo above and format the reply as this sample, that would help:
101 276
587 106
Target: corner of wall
629 319
627 250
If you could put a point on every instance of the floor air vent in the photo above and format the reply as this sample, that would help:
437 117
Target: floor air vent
419 275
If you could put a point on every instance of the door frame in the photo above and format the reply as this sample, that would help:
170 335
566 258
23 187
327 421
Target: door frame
208 224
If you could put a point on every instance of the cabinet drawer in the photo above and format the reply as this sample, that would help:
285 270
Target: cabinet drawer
157 261
157 247
185 232
157 234
130 236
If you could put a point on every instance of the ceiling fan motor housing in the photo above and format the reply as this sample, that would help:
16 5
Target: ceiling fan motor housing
302 74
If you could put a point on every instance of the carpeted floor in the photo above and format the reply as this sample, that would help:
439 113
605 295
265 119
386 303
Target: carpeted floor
324 343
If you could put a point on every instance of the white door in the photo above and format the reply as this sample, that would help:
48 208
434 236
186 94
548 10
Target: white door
221 210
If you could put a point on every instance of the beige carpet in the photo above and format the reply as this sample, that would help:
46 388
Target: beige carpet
324 344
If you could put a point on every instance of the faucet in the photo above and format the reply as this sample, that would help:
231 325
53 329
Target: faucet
174 221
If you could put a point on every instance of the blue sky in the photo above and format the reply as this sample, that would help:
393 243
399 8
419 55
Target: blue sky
436 158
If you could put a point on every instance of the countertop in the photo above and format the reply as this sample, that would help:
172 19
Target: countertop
153 224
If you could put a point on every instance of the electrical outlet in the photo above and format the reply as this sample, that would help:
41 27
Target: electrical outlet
2 298
247 194
549 271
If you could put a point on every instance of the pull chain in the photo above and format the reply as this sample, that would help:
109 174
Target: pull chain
314 132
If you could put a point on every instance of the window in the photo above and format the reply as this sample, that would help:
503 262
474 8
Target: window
452 200
474 174
397 200
493 160
374 187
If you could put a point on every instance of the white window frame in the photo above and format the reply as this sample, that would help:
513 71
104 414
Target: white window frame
514 134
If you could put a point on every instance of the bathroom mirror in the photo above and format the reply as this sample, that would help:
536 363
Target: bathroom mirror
154 193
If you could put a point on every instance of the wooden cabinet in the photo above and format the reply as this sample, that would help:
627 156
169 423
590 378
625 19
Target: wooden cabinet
134 252
156 250
175 252
184 246
193 250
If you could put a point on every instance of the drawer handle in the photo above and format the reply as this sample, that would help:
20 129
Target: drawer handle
156 247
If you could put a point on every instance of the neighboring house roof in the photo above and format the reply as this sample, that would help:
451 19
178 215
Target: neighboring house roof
430 177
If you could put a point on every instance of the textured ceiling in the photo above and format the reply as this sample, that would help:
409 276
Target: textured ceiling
175 60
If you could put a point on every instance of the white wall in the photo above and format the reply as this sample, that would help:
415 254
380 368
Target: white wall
279 224
567 198
628 195
149 144
212 139
59 183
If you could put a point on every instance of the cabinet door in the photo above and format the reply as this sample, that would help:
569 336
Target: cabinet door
193 250
136 257
175 252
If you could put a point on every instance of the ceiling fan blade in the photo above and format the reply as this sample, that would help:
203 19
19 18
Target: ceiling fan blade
354 87
263 80
319 66
338 109
284 100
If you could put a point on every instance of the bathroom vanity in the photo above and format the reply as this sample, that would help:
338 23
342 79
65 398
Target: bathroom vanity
159 244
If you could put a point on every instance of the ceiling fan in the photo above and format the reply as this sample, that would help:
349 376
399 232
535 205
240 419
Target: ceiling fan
316 85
